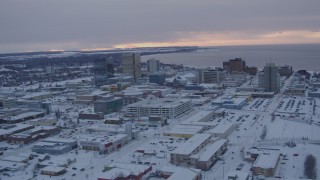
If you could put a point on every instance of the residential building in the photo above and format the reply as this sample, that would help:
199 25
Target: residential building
271 78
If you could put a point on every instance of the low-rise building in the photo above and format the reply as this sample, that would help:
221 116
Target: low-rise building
267 163
108 104
32 135
8 129
177 173
223 130
55 146
165 107
237 175
182 155
207 158
103 144
183 131
124 171
53 171
230 102
48 121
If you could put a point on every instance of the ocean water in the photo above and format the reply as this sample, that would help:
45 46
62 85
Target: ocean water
298 56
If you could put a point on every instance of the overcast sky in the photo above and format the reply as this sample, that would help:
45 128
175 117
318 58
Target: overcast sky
34 25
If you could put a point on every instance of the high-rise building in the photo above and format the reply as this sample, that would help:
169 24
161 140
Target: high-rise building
234 65
271 78
132 64
153 65
103 70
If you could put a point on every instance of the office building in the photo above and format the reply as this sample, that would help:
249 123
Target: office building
285 70
271 78
157 78
234 65
213 76
153 65
239 65
108 104
132 65
103 70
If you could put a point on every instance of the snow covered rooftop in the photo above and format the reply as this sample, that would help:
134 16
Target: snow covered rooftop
267 159
193 143
211 149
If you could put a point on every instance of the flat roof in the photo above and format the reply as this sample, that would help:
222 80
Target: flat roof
239 174
191 144
267 159
59 140
221 128
199 116
211 150
23 115
102 139
8 129
162 102
184 129
53 169
15 158
180 172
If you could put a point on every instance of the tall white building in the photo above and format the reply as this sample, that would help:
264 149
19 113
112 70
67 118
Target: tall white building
132 64
153 65
271 78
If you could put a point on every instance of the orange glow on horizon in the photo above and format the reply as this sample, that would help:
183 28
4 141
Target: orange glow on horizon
229 39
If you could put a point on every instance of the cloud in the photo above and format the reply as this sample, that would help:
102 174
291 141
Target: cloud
94 24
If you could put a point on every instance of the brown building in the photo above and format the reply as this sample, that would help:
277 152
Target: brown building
234 65
239 65
32 135
251 70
